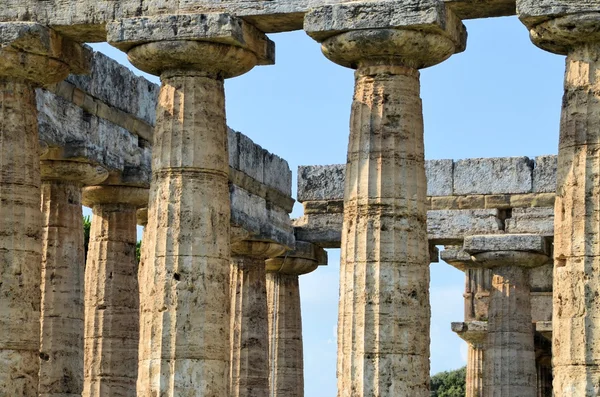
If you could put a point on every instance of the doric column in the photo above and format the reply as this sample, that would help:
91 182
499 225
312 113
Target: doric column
384 312
111 292
30 55
286 356
61 341
249 375
572 28
478 282
184 317
544 375
509 368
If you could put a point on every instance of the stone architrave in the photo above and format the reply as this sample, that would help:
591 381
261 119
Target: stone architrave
30 55
509 366
185 316
572 28
63 262
384 312
111 291
286 357
249 375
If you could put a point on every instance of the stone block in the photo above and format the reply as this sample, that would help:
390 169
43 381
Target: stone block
544 174
540 278
475 244
451 226
541 306
251 158
426 15
532 12
277 173
214 27
321 182
493 175
539 220
439 177
324 230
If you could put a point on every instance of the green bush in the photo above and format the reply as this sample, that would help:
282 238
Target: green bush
449 383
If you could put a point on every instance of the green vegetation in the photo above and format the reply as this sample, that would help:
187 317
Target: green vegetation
449 383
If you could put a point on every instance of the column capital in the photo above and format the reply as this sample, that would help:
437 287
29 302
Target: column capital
305 258
416 33
213 44
72 171
36 53
455 256
112 194
494 250
473 332
142 216
257 249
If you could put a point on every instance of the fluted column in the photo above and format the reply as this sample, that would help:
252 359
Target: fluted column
111 292
286 353
249 375
509 368
30 55
384 311
544 376
185 314
62 309
576 287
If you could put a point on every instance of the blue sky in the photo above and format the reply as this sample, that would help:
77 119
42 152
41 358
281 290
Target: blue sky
501 97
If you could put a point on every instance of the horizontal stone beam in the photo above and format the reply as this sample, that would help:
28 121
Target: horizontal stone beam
85 21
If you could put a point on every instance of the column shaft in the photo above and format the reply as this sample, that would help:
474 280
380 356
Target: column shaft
184 304
20 240
61 350
286 357
544 379
249 328
510 356
112 303
383 326
475 359
576 301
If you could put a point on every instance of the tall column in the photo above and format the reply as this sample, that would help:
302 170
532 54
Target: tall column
30 55
509 368
286 354
61 342
384 312
576 289
111 292
544 376
185 316
478 282
249 375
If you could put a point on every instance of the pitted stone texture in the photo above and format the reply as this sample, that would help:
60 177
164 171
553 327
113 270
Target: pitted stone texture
531 220
249 375
450 226
321 182
439 177
509 242
184 271
286 355
493 176
544 174
111 295
532 12
20 241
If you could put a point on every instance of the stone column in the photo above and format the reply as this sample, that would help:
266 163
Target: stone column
184 317
509 368
286 356
30 55
111 292
576 289
61 341
544 376
477 290
249 375
383 326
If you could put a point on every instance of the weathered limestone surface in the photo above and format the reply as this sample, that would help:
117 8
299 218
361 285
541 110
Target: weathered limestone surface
383 323
111 292
573 28
62 288
510 368
475 336
286 354
30 55
249 374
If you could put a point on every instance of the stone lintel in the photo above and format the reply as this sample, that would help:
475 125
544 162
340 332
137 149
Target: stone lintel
428 16
455 256
304 258
223 28
473 9
471 332
506 242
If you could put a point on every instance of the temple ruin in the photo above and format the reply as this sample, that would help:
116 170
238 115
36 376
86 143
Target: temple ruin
213 307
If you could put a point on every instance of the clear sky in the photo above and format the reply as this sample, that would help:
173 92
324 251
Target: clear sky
501 97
